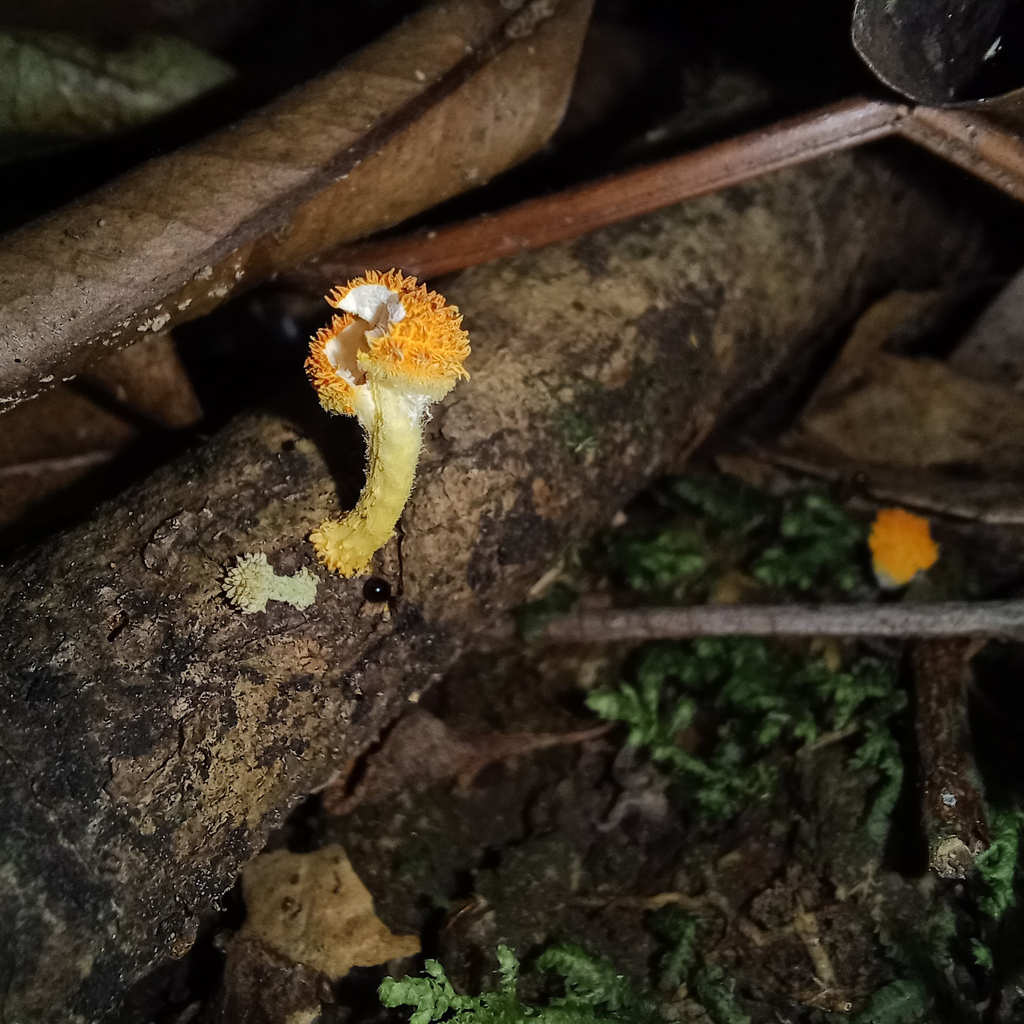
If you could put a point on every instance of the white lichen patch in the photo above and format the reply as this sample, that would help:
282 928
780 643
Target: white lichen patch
154 324
251 582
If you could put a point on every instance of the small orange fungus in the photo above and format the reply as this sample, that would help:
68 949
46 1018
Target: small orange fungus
901 547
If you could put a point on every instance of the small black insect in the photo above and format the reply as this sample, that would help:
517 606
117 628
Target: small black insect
376 590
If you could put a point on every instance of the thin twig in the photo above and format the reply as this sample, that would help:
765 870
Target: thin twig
941 619
805 924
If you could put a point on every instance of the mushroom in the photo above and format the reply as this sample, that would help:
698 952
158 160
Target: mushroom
394 351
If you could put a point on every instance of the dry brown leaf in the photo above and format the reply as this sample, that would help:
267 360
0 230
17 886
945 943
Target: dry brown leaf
876 409
313 909
420 750
440 104
151 379
50 443
917 414
993 349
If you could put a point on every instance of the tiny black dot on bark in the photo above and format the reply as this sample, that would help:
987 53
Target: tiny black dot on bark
376 590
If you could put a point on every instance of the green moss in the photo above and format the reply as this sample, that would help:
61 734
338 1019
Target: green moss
665 560
682 964
727 503
982 954
578 431
997 866
751 697
901 1002
818 544
802 545
879 751
716 712
713 990
678 933
594 993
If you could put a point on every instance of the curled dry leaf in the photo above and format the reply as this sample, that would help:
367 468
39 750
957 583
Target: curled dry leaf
347 154
55 440
313 909
940 418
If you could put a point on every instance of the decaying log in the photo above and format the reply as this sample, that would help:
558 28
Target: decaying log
150 736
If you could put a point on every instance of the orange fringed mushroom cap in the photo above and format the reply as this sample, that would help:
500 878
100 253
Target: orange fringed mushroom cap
391 331
901 546
337 393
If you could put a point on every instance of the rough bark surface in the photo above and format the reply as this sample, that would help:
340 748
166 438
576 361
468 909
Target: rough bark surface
150 736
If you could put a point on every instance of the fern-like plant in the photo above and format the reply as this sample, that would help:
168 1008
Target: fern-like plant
594 993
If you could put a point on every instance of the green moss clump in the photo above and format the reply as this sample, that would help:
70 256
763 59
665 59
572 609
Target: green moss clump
818 544
594 993
682 964
711 710
804 544
900 1002
673 557
997 866
716 712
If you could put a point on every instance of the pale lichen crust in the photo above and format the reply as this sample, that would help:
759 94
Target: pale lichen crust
251 582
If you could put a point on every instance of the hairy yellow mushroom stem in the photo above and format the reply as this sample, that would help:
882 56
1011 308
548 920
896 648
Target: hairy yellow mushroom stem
394 437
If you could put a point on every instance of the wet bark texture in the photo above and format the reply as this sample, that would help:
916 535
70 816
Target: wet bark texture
151 736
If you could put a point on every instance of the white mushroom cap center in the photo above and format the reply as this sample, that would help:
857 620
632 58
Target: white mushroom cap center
376 308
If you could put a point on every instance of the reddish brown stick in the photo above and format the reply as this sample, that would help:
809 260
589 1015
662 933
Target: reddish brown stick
971 141
578 210
965 138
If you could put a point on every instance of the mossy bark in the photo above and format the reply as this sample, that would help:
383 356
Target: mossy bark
151 736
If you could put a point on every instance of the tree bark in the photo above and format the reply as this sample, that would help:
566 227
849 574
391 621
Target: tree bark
151 736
